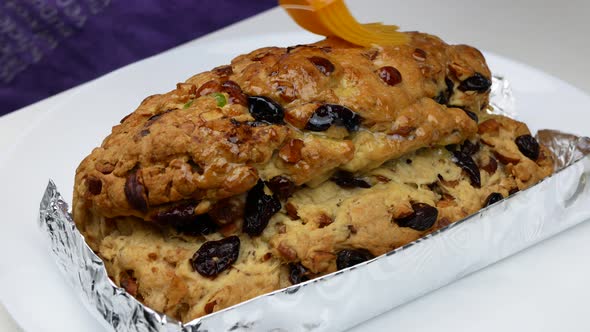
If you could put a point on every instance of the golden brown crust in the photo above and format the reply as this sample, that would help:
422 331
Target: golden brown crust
179 172
184 146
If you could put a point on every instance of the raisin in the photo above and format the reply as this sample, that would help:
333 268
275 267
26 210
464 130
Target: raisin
528 146
298 273
350 257
389 75
472 115
347 180
94 185
135 192
260 207
477 82
493 198
465 161
182 218
445 95
423 217
329 114
214 257
469 148
227 211
322 64
281 186
265 109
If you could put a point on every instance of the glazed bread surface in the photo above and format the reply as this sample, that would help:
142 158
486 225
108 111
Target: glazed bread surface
292 163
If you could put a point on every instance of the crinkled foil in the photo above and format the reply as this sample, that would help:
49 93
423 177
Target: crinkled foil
345 298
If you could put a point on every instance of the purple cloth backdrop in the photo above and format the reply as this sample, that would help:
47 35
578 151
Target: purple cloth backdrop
47 46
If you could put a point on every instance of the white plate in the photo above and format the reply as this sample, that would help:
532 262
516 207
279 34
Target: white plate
30 286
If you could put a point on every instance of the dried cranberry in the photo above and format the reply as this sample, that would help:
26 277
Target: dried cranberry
329 114
281 186
266 110
298 273
423 217
94 185
260 207
528 146
322 64
350 257
465 161
135 192
477 82
445 95
347 180
183 219
214 257
390 75
493 198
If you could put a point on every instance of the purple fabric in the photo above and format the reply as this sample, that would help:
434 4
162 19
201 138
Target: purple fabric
47 46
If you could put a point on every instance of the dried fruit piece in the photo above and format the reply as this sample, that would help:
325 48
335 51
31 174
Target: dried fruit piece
423 217
266 110
465 161
183 219
347 180
227 211
469 148
390 75
472 115
298 273
528 146
322 64
445 95
329 114
214 257
477 82
260 207
135 192
281 186
493 198
94 185
350 257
